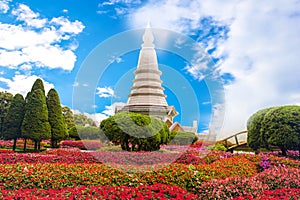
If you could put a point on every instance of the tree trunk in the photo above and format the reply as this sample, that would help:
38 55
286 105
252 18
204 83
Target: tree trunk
39 145
127 144
25 141
283 150
1 128
15 144
35 145
139 146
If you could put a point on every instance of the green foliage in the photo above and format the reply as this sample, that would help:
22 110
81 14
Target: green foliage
256 138
5 100
73 133
183 138
90 133
282 127
69 117
69 120
14 118
135 132
35 124
82 120
56 118
38 84
278 126
218 147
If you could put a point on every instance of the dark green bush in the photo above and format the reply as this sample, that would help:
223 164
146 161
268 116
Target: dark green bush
90 133
73 133
135 132
182 138
278 126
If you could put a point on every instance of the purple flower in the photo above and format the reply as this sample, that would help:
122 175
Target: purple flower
264 163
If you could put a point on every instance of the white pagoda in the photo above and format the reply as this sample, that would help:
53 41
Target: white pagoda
147 95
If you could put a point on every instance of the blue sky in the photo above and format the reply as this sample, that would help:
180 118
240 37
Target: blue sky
255 47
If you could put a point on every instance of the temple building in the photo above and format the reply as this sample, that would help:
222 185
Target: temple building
147 94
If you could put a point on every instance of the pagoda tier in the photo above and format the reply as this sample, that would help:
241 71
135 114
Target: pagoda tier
147 94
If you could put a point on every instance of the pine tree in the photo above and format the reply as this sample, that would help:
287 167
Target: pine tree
23 135
56 118
5 100
38 84
13 121
69 119
35 124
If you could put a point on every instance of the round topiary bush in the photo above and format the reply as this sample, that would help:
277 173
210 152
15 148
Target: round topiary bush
135 132
278 126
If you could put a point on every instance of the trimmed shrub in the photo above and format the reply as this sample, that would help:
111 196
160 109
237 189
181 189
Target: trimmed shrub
135 132
183 138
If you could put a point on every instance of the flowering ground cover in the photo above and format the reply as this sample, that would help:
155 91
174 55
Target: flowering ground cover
84 145
278 194
193 174
156 191
20 143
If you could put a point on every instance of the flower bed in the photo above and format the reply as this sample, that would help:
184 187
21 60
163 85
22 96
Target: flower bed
217 175
64 157
278 194
59 175
252 187
157 191
84 144
6 143
19 144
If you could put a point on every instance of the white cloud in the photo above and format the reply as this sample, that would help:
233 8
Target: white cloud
117 8
65 26
37 41
261 49
25 67
113 2
168 14
75 84
22 84
110 110
206 103
98 117
4 6
24 13
115 59
65 11
105 92
12 59
51 56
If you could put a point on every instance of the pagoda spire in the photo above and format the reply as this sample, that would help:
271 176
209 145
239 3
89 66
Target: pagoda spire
148 37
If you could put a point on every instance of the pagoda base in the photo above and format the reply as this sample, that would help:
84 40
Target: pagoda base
159 112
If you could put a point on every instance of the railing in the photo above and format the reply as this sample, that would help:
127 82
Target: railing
236 139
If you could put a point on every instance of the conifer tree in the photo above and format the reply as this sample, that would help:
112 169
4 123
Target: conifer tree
38 84
25 108
35 124
13 121
56 118
69 119
5 100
